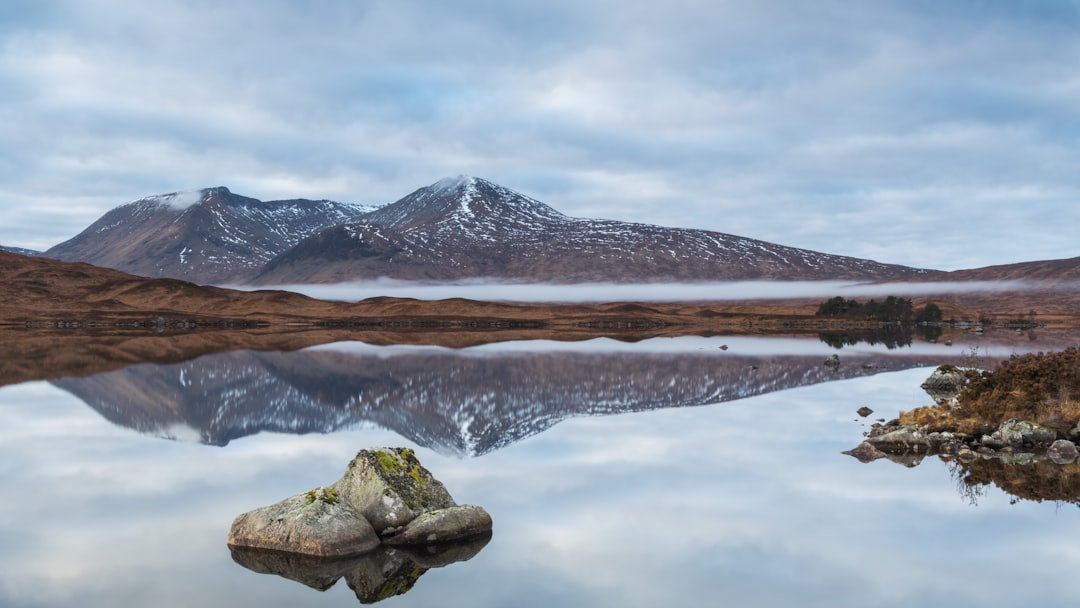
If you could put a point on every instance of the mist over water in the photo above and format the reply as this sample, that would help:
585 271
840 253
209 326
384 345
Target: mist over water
637 292
718 346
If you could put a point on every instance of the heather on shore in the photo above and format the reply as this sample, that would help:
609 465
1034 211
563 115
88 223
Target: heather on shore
1040 387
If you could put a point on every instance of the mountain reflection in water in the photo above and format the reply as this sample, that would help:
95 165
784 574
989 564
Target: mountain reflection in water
457 402
750 500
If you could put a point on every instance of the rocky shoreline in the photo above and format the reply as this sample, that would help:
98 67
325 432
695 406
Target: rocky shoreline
1011 440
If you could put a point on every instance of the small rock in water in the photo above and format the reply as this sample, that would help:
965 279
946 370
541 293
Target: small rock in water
864 411
1062 451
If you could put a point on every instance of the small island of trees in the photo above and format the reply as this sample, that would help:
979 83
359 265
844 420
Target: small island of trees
892 309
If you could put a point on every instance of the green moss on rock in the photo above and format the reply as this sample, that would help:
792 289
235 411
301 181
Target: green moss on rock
387 463
326 495
390 487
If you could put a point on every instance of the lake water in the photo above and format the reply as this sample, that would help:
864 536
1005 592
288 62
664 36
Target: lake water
668 472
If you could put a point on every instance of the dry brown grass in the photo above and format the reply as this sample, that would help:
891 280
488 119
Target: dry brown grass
1040 387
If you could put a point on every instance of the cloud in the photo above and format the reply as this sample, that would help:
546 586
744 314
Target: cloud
184 199
929 134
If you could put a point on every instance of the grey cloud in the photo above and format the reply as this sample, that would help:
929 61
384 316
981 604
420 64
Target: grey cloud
845 128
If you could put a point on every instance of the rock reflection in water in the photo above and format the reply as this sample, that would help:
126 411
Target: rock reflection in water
1024 477
379 574
458 403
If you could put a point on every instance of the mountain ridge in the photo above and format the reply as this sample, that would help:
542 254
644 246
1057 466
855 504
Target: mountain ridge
470 228
209 236
455 229
1063 269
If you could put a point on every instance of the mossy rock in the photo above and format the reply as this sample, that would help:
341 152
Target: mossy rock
390 488
310 523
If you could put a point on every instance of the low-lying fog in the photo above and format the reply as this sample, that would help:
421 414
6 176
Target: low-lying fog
650 292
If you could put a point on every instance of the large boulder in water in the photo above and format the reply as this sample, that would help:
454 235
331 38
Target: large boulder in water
390 488
384 493
316 522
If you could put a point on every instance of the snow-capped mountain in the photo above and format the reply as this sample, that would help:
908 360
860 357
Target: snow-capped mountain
467 227
205 236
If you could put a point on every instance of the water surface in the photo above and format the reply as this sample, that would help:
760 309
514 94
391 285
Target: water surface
672 477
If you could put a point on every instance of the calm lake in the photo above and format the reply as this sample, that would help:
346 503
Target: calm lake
677 472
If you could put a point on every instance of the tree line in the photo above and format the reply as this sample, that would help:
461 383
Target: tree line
891 309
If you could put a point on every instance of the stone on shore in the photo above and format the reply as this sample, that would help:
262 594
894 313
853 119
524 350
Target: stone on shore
902 440
1022 433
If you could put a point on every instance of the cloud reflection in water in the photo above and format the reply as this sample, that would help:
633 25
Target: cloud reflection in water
748 502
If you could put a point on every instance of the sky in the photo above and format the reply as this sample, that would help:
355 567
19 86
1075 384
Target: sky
932 133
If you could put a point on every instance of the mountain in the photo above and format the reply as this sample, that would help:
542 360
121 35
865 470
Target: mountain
467 228
1042 271
20 251
204 236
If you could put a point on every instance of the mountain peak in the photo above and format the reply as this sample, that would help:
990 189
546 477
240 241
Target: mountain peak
463 201
208 235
